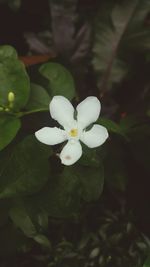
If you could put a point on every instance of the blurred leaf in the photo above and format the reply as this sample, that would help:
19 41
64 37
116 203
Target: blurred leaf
92 182
9 126
63 16
22 219
13 77
116 27
147 262
11 241
60 197
140 144
89 157
107 43
116 175
60 80
43 241
25 169
39 98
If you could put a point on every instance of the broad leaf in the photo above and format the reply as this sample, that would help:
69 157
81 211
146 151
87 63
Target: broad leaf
60 80
25 169
22 219
9 126
61 195
39 98
92 182
112 126
147 262
112 28
13 77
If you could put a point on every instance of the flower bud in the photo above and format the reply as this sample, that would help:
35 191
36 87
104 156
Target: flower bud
11 97
7 109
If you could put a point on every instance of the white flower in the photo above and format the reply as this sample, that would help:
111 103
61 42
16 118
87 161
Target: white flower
74 131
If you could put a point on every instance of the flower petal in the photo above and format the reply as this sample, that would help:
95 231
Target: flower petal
88 111
95 137
62 111
71 152
51 136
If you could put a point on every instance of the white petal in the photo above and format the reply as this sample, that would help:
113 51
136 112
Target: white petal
62 111
95 137
88 111
71 152
51 136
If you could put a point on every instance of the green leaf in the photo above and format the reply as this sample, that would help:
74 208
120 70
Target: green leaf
61 195
89 157
92 182
147 262
39 98
22 219
112 126
60 80
13 77
43 241
25 169
116 176
9 126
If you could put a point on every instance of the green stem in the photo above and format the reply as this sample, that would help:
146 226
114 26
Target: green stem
21 114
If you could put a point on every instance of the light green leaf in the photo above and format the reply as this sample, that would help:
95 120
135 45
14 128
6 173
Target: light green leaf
39 98
13 77
24 169
9 126
60 80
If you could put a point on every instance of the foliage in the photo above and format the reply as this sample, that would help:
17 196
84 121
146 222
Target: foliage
51 215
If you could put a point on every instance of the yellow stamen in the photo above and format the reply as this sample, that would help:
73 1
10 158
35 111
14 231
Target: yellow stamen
74 132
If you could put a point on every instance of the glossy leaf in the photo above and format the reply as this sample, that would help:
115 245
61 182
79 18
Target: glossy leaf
13 77
60 80
25 169
39 98
9 126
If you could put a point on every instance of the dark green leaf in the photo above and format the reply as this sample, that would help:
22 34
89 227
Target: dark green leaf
111 126
147 262
39 98
9 126
13 77
92 182
60 197
60 80
89 157
22 219
25 169
115 169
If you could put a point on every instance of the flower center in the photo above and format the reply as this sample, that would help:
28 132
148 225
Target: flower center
73 132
